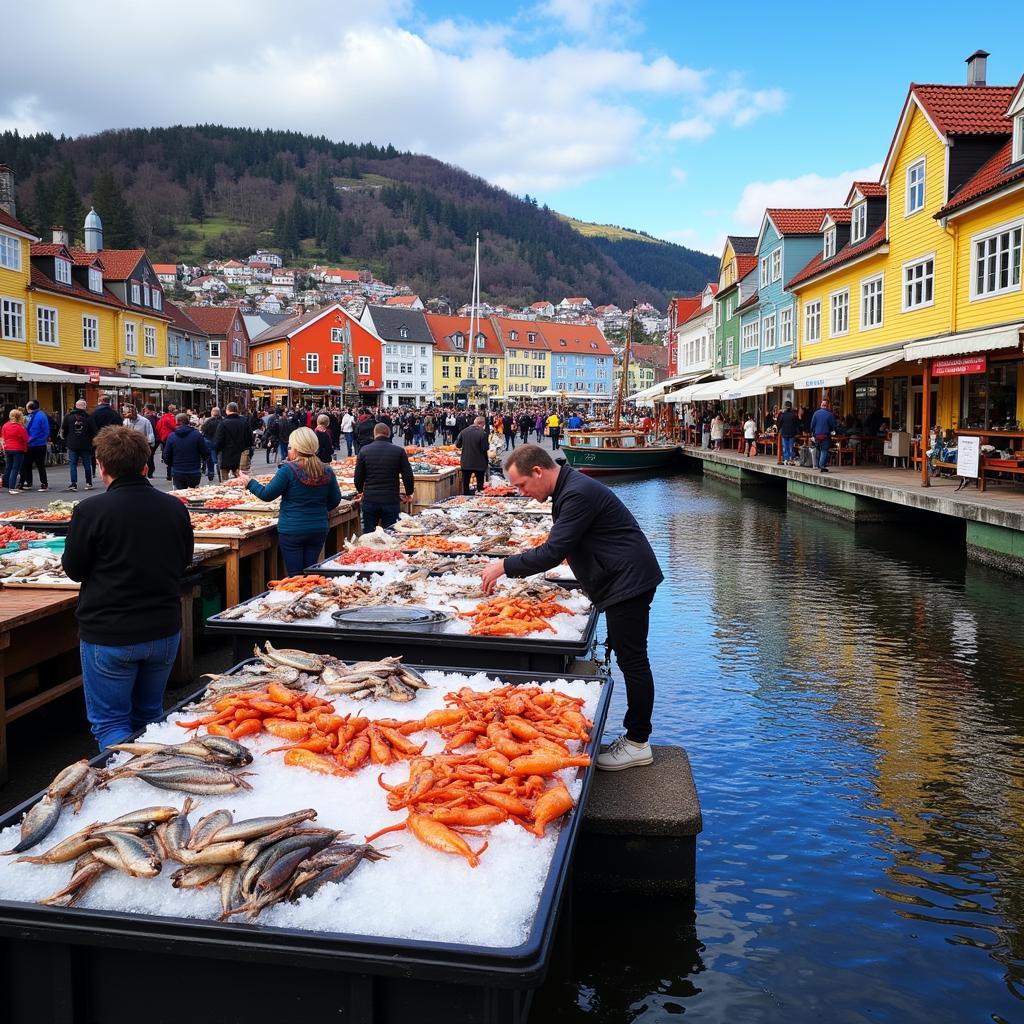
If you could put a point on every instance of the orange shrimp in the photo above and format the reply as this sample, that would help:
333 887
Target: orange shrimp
439 836
550 806
280 693
313 762
546 763
469 816
249 727
286 730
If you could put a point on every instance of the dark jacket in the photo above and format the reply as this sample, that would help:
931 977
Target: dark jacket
473 442
209 429
78 430
129 548
595 532
233 438
789 423
364 429
525 423
304 503
823 423
326 442
378 467
186 451
105 416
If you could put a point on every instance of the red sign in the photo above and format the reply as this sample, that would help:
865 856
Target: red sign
94 376
959 365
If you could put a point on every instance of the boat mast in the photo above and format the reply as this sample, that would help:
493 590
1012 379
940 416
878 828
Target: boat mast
474 314
625 369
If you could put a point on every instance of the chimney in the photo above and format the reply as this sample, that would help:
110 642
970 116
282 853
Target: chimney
60 236
7 190
976 67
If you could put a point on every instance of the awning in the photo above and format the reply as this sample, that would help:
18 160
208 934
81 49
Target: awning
836 372
964 342
21 369
756 383
709 391
227 376
664 387
145 383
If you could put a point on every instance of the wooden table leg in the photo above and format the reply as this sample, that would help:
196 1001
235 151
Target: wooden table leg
184 663
258 571
231 588
5 640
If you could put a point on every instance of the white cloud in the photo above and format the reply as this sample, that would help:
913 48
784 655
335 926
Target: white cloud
806 190
450 34
679 175
698 127
735 105
590 17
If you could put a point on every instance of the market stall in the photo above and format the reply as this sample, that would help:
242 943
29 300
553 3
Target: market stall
249 536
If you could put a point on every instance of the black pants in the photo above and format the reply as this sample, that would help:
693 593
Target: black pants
183 480
628 624
554 431
480 475
35 456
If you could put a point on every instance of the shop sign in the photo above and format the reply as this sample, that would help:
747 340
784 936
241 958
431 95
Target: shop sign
94 376
957 366
968 451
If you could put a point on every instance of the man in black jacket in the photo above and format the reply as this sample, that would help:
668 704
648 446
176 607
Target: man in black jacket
789 427
364 429
104 416
614 563
379 465
234 436
129 548
209 432
185 453
78 430
474 459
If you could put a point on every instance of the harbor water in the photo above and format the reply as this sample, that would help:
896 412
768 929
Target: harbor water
852 703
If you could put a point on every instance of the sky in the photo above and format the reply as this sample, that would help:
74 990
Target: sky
682 120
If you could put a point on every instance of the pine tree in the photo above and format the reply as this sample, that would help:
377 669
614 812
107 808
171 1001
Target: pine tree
115 212
198 206
67 208
43 208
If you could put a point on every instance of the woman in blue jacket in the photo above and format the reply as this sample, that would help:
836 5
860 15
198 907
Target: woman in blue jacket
308 491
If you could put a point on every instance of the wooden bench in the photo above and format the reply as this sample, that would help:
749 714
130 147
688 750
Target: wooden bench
988 465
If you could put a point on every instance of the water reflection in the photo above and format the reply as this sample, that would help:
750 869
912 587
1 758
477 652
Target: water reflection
852 706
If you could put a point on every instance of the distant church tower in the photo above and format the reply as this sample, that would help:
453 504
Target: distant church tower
93 232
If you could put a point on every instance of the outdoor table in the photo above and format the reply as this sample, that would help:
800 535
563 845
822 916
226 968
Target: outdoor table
259 546
342 523
434 487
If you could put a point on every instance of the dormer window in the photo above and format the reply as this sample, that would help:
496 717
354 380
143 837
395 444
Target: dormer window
859 223
146 295
1018 138
563 342
136 293
915 187
458 340
158 299
95 280
62 271
403 332
830 244
480 342
593 344
513 335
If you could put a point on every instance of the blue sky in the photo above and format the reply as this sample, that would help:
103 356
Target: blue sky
682 120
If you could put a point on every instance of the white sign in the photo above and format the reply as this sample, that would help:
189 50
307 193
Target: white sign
968 451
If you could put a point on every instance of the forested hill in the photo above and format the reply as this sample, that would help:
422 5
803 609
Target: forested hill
190 193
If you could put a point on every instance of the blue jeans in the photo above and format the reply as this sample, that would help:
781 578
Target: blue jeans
282 450
12 469
300 550
211 465
374 510
823 446
787 449
86 457
348 440
124 686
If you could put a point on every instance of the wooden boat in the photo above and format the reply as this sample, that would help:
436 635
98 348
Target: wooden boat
617 448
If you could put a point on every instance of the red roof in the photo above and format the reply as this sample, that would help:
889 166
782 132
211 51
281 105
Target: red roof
684 306
583 339
7 221
967 109
214 320
745 263
165 268
751 300
49 249
523 330
802 222
698 312
181 319
118 264
74 290
868 189
657 355
443 327
847 253
995 173
400 300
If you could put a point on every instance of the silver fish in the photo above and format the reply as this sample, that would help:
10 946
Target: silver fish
312 840
67 780
38 823
197 876
207 780
82 879
156 815
206 828
229 881
214 853
173 835
135 854
253 828
67 850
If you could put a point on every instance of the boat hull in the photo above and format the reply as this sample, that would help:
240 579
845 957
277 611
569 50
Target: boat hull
619 460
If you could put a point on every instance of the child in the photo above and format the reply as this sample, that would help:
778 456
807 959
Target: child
750 436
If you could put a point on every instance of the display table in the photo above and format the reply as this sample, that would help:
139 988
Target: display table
342 523
259 546
434 487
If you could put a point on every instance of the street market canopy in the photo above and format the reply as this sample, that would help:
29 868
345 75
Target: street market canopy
763 379
663 388
248 380
706 391
146 383
21 369
835 373
964 343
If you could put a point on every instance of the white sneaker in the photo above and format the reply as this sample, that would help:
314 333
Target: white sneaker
624 753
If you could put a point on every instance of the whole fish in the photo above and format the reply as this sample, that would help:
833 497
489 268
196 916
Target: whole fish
279 874
77 794
226 752
82 880
214 853
207 780
68 779
206 828
230 879
137 855
312 840
156 815
173 835
68 850
197 876
254 828
331 865
38 823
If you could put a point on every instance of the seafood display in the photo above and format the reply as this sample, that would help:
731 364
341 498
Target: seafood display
488 501
70 788
229 522
36 567
369 556
430 543
11 535
220 496
56 512
514 616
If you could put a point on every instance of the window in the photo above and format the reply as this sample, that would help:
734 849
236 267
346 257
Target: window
538 373
10 252
859 223
62 271
764 272
259 361
364 364
458 341
337 335
136 293
445 371
215 350
1018 138
748 337
768 332
406 368
277 359
839 313
158 299
336 363
403 332
480 342
236 348
785 328
871 292
812 321
919 283
147 294
728 309
130 345
493 374
830 244
46 325
312 362
601 360
95 280
580 372
997 262
91 333
149 340
776 264
915 187
718 314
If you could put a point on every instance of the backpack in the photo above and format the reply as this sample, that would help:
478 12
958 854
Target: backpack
78 426
807 457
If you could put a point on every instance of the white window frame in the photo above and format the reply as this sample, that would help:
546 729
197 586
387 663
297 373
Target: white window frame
136 293
749 335
337 335
812 319
10 251
214 349
149 341
768 338
913 186
982 238
829 245
785 334
839 302
158 299
12 319
764 272
131 339
364 365
868 300
47 325
312 362
95 280
277 359
776 258
908 267
62 271
90 333
859 222
336 362
147 294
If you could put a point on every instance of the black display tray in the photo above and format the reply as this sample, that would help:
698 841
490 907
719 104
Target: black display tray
78 966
